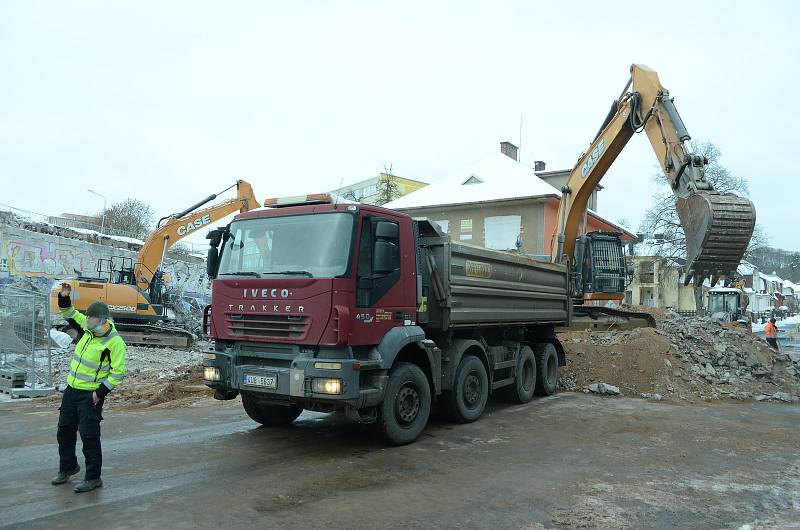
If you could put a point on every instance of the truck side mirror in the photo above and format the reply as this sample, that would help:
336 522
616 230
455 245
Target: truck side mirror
387 230
214 237
383 260
212 260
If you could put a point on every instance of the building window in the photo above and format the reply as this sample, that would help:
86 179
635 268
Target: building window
473 179
502 232
646 272
466 230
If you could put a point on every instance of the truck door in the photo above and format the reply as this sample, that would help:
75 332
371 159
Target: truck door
380 296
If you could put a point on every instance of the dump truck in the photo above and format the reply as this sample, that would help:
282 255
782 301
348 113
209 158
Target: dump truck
324 305
330 306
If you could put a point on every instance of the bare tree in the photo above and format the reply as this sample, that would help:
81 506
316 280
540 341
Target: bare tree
661 222
351 195
130 216
388 188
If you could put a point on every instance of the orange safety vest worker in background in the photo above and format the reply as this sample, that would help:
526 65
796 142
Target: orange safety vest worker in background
771 333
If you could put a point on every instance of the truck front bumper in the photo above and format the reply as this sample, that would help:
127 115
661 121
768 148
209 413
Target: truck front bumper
304 380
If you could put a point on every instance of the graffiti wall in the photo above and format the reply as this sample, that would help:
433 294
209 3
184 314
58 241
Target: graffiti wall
34 254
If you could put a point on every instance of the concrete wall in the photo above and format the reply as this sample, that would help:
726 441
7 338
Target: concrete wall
48 256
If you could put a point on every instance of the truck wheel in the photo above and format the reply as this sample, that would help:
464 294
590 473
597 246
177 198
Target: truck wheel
406 406
546 368
270 415
466 402
525 376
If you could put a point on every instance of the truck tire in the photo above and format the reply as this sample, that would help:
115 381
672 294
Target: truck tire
406 406
524 376
270 415
546 368
467 401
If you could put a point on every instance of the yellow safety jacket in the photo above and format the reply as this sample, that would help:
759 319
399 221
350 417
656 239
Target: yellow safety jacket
99 361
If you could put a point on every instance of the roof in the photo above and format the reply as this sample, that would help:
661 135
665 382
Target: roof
745 268
770 277
495 178
791 285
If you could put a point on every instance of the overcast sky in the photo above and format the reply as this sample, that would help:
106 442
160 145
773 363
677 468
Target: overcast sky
171 101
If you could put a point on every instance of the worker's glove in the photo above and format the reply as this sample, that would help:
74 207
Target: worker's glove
64 299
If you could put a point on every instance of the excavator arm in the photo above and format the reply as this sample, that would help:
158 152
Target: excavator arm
175 227
717 226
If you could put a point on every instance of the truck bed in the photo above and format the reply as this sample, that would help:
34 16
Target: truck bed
479 287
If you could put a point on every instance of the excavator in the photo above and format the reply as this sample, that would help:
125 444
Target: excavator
135 290
717 226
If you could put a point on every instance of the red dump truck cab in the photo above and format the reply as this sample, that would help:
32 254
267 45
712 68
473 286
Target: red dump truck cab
308 293
325 305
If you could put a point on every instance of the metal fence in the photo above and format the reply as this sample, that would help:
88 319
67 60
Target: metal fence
25 344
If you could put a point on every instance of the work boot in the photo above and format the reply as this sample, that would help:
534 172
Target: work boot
62 477
88 485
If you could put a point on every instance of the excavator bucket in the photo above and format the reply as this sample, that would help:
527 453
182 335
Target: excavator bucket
718 227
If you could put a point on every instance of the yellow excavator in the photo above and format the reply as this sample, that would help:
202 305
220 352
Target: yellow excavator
717 226
135 290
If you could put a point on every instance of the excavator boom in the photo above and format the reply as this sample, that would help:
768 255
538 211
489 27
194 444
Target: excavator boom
717 226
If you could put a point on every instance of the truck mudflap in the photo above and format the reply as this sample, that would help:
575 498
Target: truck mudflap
307 380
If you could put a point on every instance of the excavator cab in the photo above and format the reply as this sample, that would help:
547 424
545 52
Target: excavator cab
599 270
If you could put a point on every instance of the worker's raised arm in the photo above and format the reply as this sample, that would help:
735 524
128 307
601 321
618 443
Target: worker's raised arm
69 313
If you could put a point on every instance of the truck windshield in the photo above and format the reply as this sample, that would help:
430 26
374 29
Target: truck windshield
311 246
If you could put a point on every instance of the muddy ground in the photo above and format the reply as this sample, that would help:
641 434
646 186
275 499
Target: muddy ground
569 461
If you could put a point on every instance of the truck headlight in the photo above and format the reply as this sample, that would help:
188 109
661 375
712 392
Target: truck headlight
210 373
326 386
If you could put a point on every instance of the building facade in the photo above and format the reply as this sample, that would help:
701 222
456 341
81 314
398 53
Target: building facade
368 191
498 203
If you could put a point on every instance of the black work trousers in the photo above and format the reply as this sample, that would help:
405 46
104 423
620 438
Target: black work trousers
80 414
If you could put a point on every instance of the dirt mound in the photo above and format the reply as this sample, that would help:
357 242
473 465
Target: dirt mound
143 391
683 359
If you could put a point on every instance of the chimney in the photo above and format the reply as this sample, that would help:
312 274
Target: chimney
538 165
509 149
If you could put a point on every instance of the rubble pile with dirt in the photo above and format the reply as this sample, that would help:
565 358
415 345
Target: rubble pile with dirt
682 359
155 376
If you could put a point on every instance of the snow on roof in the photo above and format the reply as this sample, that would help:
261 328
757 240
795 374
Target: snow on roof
495 178
770 277
791 285
745 268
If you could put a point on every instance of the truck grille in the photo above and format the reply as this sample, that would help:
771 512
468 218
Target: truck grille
268 326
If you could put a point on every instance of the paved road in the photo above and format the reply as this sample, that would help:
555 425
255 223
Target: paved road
563 462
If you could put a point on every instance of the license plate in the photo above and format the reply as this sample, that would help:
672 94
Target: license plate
266 381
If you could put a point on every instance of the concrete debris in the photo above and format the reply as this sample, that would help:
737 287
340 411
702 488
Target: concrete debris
651 395
604 389
146 363
688 358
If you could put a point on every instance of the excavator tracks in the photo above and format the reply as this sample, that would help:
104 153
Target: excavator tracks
154 335
718 227
601 318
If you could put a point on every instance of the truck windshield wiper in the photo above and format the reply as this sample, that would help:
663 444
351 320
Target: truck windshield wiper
298 273
241 273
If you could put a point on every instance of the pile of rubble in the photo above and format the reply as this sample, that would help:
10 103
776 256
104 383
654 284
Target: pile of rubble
150 363
682 359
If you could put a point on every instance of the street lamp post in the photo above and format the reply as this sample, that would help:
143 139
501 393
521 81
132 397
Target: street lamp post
103 220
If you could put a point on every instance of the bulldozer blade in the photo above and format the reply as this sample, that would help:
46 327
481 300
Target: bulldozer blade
718 227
